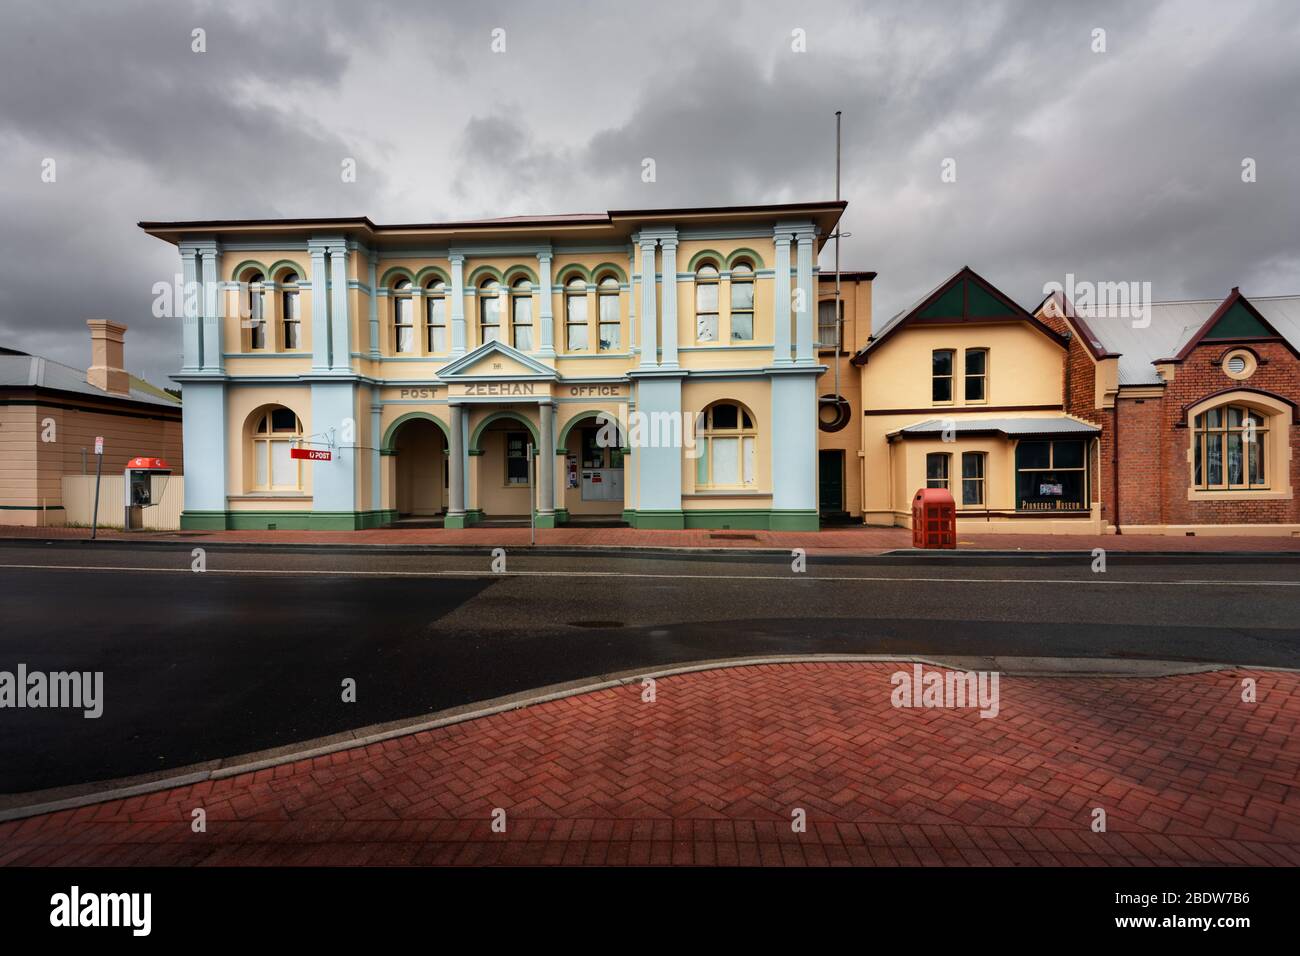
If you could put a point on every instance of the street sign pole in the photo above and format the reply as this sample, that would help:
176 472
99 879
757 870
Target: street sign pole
532 500
99 470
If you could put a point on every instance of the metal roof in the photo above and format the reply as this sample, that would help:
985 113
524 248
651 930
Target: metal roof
1172 325
19 370
1010 427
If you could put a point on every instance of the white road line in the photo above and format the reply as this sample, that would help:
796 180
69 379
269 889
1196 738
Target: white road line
796 578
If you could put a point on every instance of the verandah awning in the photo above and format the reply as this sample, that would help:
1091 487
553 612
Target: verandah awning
1056 427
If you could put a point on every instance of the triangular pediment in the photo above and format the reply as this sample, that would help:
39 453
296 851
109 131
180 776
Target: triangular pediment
496 360
1235 320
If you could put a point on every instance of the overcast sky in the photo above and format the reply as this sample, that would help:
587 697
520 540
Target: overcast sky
1124 165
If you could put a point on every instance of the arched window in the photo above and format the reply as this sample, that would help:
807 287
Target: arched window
403 317
575 314
291 311
726 446
489 310
608 301
521 314
1229 449
275 431
435 317
742 302
256 311
706 303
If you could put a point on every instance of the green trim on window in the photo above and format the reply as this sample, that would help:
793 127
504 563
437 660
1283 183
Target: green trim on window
280 265
566 272
515 272
746 253
612 267
428 272
483 272
244 266
714 255
390 276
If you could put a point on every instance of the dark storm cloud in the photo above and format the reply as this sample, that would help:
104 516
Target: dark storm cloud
1116 166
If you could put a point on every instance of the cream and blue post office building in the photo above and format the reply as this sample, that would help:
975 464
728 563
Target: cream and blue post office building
428 360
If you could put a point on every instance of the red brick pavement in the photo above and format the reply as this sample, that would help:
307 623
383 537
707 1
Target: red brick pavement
709 773
854 538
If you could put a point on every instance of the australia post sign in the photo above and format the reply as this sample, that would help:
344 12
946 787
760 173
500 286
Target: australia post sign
309 454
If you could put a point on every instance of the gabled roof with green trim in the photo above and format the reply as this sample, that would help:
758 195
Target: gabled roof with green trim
965 297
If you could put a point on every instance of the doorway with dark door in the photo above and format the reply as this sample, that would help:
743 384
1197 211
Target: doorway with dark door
830 485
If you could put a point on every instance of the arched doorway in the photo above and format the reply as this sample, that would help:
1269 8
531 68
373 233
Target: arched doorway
500 465
420 471
592 477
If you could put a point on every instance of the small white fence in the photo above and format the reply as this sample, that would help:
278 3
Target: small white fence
79 502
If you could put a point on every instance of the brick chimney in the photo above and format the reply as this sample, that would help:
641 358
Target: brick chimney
106 355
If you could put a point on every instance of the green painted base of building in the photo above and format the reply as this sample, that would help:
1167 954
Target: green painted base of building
725 518
285 520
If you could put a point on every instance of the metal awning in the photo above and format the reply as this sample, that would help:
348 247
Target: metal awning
1006 427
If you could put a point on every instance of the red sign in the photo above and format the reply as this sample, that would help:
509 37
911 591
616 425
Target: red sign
152 464
309 454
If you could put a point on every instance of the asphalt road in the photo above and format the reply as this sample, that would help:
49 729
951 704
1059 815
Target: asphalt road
251 653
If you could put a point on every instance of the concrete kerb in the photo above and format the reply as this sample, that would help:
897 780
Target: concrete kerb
80 795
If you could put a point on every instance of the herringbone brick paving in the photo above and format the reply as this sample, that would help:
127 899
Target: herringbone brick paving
709 772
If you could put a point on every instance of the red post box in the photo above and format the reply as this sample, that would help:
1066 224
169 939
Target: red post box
934 519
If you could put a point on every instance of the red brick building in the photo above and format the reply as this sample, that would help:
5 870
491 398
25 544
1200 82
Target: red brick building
1198 402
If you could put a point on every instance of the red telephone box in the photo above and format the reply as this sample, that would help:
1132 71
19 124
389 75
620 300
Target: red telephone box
934 519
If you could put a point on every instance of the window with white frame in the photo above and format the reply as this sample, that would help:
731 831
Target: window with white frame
828 330
1228 449
403 317
575 315
972 478
607 302
435 317
256 311
275 433
742 302
291 309
936 469
706 303
521 314
726 447
489 310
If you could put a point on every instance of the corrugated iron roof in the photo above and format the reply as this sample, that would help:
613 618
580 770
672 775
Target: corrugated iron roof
1011 427
20 370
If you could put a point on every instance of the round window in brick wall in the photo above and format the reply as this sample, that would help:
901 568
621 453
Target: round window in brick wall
1239 364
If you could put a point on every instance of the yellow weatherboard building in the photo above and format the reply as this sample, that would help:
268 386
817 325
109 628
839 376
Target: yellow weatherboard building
668 368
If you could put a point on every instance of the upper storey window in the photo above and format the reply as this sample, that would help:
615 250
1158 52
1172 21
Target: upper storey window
941 375
435 316
489 310
256 311
607 300
706 303
291 309
977 372
742 302
521 314
575 315
403 317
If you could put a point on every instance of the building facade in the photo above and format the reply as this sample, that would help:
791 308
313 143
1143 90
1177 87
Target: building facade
1197 401
664 367
50 415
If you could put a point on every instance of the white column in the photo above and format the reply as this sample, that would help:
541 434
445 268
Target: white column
781 314
456 478
191 297
669 306
631 298
546 461
320 308
211 314
545 318
376 476
458 338
649 331
340 319
373 281
803 334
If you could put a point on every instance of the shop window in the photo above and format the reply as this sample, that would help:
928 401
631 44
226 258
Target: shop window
936 469
977 367
276 431
517 458
292 310
726 447
607 302
972 478
941 375
706 303
1229 449
742 302
1051 476
435 317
